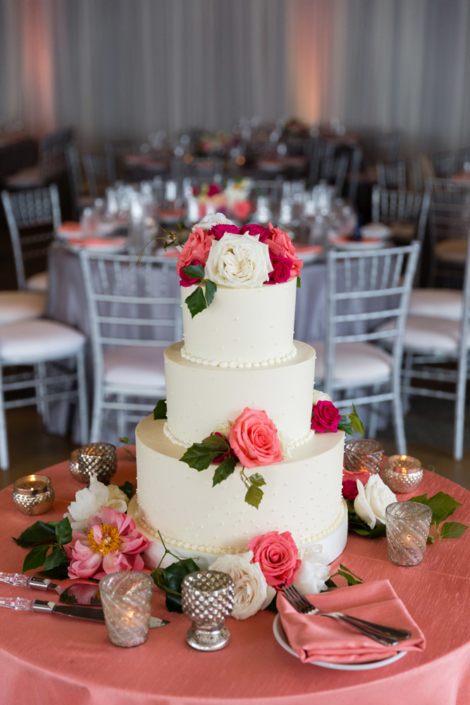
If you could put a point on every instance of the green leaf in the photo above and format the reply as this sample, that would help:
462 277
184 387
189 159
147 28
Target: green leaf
195 271
211 288
35 558
199 456
61 572
272 607
160 410
216 443
349 576
254 496
124 440
453 530
356 422
362 529
63 532
442 505
257 480
422 499
55 559
330 583
345 425
38 533
128 489
348 570
169 580
224 470
196 302
299 284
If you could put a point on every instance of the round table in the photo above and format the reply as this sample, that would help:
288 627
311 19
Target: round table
47 659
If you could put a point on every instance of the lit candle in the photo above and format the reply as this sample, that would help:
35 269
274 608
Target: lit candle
126 597
33 494
402 473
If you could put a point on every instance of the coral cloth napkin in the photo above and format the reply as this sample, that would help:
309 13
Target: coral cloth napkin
316 638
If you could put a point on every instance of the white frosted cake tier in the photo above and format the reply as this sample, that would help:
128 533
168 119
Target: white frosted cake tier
302 495
243 326
200 398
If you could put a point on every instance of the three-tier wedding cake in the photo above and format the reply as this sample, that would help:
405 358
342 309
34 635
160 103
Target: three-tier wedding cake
236 455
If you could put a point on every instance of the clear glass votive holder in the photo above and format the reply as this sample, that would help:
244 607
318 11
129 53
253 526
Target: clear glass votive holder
407 525
33 494
127 599
99 459
402 473
207 598
363 455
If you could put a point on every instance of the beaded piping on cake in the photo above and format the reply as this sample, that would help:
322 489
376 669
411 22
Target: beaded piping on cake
275 360
287 444
216 550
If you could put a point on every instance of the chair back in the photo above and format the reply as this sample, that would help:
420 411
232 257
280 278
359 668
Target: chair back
366 289
129 303
115 151
26 211
100 173
391 175
52 154
405 207
449 219
380 145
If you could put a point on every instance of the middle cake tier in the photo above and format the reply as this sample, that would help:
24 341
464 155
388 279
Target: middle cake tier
201 398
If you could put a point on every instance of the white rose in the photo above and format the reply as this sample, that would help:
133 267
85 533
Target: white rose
320 396
287 445
314 571
252 593
224 428
213 219
238 261
90 500
372 500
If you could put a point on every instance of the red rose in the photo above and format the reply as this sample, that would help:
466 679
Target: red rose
213 190
282 267
218 231
254 229
185 279
350 490
326 417
277 556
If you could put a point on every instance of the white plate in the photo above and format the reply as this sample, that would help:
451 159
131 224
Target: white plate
281 639
376 230
345 244
112 249
310 254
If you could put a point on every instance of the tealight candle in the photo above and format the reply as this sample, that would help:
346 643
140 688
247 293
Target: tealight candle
407 525
98 459
33 494
402 473
363 455
127 598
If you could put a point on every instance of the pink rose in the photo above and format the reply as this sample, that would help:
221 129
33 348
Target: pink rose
241 209
281 244
350 490
326 417
277 556
185 278
196 247
218 231
254 229
282 267
353 476
254 439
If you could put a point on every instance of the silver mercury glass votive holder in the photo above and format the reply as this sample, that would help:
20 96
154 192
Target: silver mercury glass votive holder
402 473
207 599
363 455
407 525
98 459
127 600
33 494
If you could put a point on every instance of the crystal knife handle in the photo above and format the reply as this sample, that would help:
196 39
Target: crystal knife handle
16 579
17 603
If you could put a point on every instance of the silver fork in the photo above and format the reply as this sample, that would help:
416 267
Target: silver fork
379 632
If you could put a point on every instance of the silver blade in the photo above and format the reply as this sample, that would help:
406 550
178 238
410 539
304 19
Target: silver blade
156 622
81 594
81 612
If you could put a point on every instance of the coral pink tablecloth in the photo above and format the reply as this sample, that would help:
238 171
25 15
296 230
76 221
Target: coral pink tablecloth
45 659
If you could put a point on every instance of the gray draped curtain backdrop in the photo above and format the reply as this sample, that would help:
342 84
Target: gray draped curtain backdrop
115 68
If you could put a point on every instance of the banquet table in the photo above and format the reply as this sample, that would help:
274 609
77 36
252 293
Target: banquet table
47 659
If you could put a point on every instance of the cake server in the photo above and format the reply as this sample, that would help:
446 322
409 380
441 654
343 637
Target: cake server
77 594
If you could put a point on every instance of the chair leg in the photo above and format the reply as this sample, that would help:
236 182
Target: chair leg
374 414
121 420
408 366
41 391
82 397
400 439
459 420
4 460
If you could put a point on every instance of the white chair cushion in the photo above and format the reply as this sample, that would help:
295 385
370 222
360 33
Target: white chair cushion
452 250
38 282
442 303
21 306
26 177
355 363
135 367
26 342
429 335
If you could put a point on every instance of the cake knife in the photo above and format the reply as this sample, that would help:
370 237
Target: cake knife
76 594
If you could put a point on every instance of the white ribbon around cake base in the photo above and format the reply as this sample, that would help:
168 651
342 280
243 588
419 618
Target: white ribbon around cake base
333 545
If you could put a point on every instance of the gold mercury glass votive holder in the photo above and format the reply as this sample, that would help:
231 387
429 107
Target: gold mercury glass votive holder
127 600
402 473
33 494
98 459
407 526
207 598
363 455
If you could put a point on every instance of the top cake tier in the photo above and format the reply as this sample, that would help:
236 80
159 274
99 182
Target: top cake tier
242 327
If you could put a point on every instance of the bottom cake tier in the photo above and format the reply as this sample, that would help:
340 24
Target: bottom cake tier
302 495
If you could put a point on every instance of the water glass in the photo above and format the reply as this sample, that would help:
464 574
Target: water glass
407 526
127 599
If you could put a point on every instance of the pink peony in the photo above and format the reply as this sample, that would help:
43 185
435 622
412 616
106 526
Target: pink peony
196 247
254 439
280 244
185 278
277 556
326 417
282 267
218 231
350 490
112 543
260 230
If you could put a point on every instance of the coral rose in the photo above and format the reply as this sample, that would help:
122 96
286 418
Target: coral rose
254 439
280 244
326 417
196 247
277 556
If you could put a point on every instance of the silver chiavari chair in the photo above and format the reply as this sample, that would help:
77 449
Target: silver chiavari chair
366 290
28 212
100 173
391 175
135 313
